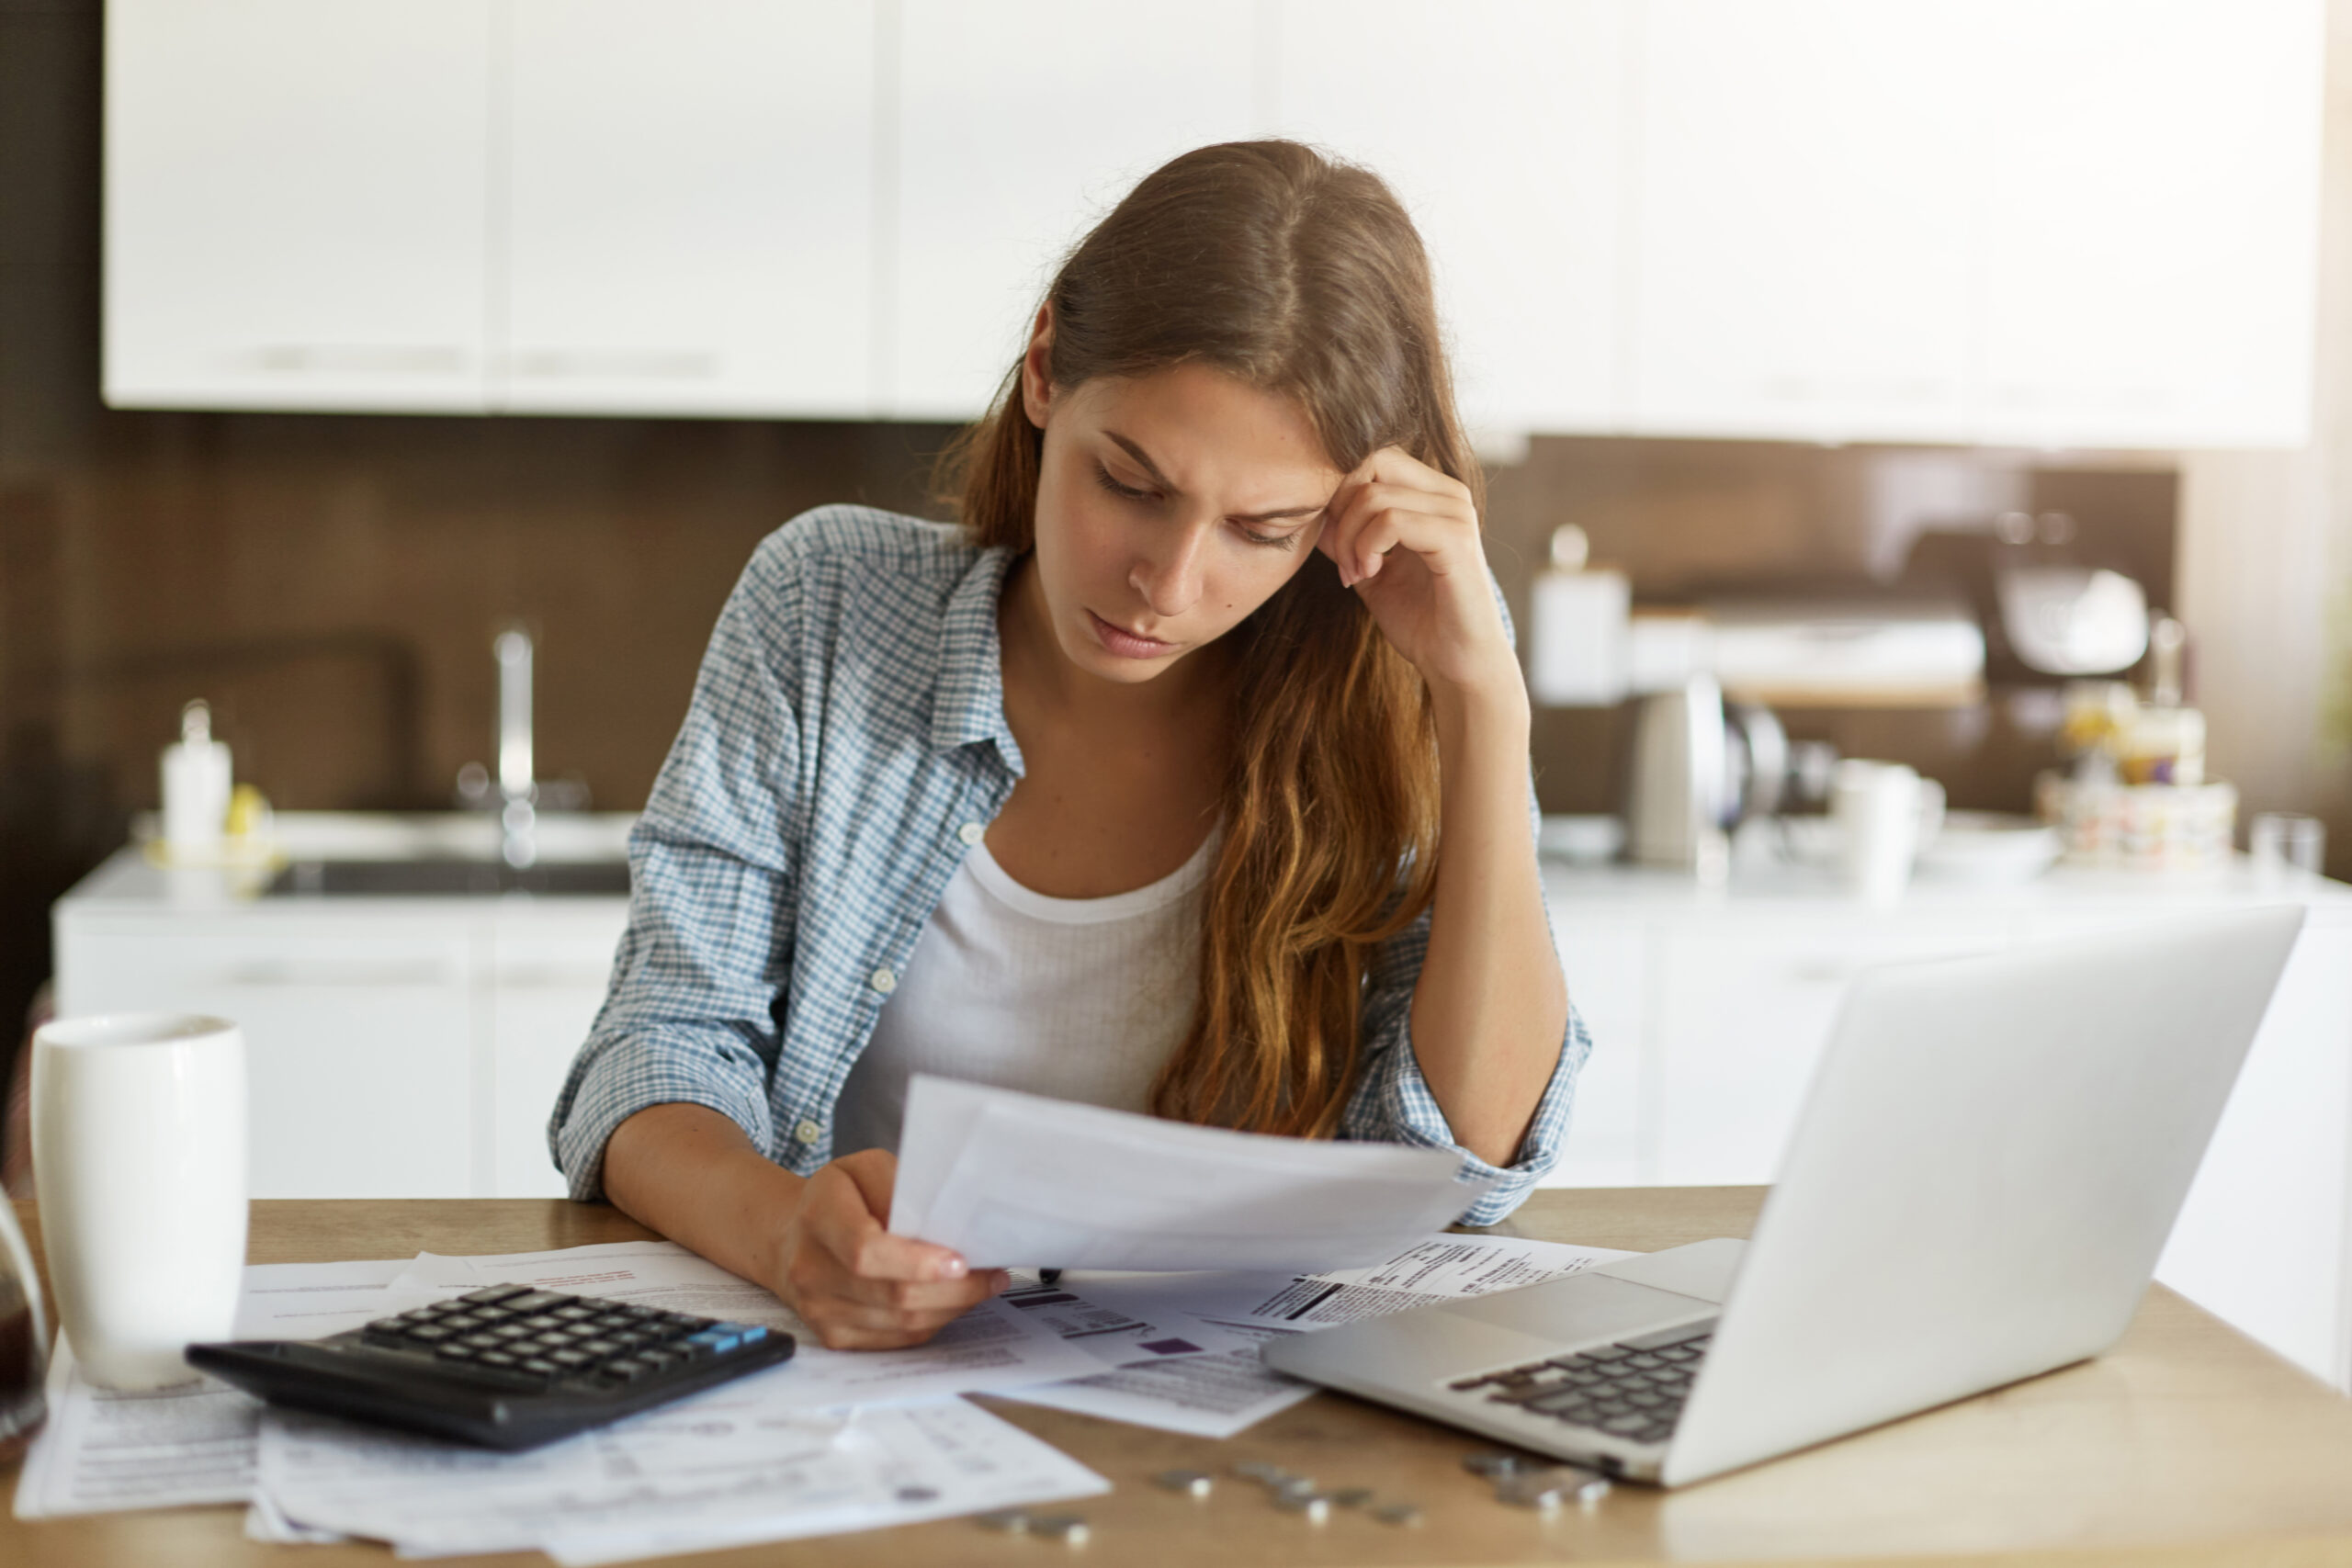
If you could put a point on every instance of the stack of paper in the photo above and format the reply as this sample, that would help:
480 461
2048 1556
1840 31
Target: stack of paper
1014 1181
797 1450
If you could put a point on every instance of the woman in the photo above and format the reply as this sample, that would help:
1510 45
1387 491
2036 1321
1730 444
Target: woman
1131 791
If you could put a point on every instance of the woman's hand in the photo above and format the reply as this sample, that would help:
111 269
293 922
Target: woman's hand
857 1285
1405 537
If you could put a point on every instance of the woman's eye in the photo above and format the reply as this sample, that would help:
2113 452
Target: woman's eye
1102 477
1272 541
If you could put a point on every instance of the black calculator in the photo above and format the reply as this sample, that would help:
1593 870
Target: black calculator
508 1367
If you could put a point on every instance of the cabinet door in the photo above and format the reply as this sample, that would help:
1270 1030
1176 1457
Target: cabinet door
1806 235
296 204
548 976
358 1038
1500 124
1745 1007
1019 123
689 215
2151 212
1611 1132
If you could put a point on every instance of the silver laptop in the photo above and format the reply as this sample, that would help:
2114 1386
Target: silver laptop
1991 1157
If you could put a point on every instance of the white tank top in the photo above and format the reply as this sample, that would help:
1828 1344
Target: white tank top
1079 998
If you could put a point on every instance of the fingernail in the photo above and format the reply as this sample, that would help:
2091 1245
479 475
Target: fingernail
953 1269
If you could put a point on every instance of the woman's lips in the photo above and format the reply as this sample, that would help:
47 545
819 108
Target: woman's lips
1126 644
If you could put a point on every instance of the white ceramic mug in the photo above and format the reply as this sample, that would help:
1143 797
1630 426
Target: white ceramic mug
139 1158
1884 812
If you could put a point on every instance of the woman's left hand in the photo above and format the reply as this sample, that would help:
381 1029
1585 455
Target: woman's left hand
1405 537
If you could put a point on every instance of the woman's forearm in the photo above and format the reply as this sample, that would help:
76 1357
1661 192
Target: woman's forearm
1491 1008
689 1172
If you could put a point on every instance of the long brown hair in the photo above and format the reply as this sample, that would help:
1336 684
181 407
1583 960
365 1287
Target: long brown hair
1301 275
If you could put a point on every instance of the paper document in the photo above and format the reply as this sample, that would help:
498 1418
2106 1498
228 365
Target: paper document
1217 1395
105 1452
994 1346
1017 1180
720 1469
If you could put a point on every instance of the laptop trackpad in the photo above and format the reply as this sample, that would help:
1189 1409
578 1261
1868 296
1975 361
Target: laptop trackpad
1583 1306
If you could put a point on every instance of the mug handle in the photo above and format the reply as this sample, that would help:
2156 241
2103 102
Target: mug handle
21 1257
1932 810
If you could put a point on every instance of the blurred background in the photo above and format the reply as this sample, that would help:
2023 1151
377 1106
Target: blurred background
339 336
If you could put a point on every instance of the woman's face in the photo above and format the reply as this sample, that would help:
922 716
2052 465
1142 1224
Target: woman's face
1170 507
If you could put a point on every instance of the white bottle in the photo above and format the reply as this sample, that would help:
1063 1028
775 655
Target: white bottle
195 786
1578 644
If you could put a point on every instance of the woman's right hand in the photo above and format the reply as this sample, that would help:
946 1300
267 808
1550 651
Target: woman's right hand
854 1282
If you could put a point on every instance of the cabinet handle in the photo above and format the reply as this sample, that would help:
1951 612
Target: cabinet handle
552 977
268 976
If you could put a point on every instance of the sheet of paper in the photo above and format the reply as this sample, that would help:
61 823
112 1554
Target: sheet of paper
1017 1180
1217 1395
1112 1336
105 1452
992 1347
722 1469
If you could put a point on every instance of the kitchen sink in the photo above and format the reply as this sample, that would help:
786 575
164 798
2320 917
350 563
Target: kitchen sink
447 877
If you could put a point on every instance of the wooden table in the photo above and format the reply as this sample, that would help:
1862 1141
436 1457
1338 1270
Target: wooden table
2189 1444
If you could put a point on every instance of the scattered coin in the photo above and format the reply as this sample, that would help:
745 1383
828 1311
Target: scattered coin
1295 1486
1398 1513
1012 1521
1192 1483
1315 1507
1493 1465
1550 1487
1067 1529
1353 1496
1258 1470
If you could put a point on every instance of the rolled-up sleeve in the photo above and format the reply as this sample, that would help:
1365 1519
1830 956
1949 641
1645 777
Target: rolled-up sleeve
688 1017
1393 1103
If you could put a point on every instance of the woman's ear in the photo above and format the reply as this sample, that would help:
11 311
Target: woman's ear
1036 367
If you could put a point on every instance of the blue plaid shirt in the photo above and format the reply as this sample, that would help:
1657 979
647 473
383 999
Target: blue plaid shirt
845 746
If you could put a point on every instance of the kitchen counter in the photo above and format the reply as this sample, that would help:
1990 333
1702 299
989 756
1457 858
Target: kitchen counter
134 877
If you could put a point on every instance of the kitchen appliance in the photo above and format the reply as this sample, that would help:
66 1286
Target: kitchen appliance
1703 766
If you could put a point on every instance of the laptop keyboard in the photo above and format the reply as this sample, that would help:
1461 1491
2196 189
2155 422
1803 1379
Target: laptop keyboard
1634 1389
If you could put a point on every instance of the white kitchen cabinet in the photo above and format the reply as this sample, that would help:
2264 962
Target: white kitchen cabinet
1744 1011
1017 123
2149 221
358 1036
1612 1131
688 208
549 973
399 1047
297 200
1500 123
1806 236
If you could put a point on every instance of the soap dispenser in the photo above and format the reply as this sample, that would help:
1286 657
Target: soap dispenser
195 786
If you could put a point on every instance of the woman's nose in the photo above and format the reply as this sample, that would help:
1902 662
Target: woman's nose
1168 576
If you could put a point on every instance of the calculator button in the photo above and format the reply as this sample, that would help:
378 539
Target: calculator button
573 1314
535 1301
541 1366
600 1349
496 1359
541 1322
509 1331
568 1358
496 1294
428 1334
458 1350
483 1342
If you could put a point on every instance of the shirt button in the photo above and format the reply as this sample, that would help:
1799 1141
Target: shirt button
808 1132
971 832
884 981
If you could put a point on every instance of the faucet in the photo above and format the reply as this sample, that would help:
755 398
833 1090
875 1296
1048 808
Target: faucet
518 794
